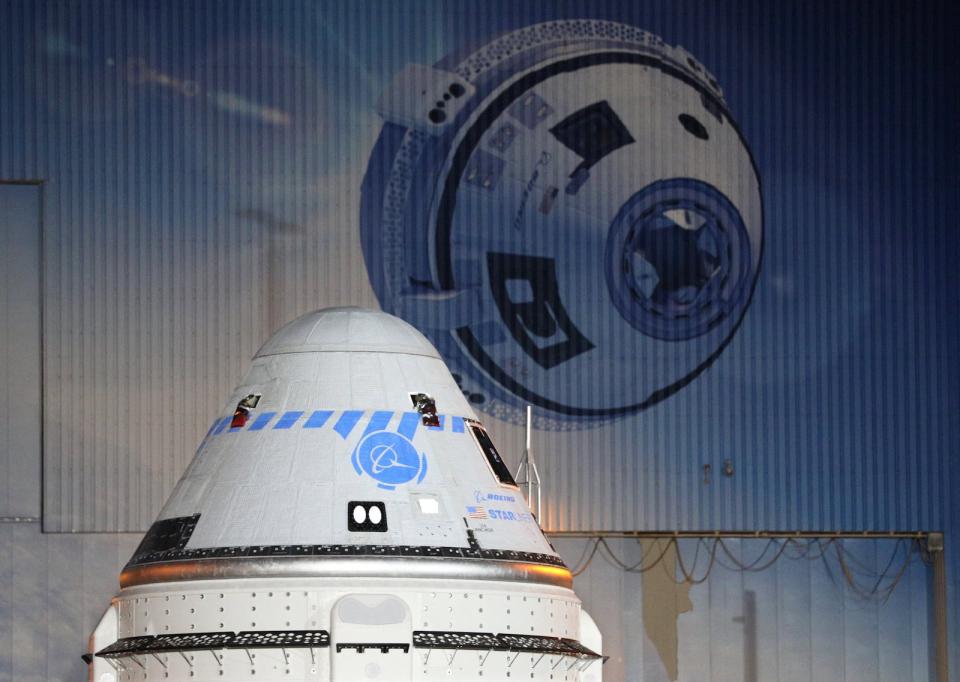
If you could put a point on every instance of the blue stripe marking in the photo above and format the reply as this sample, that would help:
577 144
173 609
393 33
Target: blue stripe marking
317 419
408 424
378 422
213 426
262 421
222 425
287 419
347 421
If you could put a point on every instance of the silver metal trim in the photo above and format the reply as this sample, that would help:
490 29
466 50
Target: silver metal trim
345 567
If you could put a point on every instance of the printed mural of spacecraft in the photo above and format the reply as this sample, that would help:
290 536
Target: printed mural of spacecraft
571 215
347 518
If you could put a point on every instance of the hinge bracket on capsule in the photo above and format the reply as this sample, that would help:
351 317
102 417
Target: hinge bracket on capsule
242 412
427 407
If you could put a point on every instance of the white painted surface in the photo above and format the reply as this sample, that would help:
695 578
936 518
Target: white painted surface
353 611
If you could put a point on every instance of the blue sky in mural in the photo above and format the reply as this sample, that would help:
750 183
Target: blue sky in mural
841 385
852 121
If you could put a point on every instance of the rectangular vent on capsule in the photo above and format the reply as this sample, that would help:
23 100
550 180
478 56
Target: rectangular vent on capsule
166 535
367 517
382 647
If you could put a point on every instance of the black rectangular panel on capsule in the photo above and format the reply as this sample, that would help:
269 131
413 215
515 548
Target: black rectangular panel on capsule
134 646
166 535
286 639
128 646
383 647
188 642
428 639
500 469
583 651
268 639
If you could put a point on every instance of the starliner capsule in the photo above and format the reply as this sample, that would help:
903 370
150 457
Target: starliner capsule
347 518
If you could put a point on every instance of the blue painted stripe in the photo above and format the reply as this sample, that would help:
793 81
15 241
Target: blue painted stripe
347 421
287 419
378 422
222 425
262 421
317 419
408 424
213 426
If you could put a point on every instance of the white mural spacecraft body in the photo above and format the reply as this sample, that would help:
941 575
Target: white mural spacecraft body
346 518
571 215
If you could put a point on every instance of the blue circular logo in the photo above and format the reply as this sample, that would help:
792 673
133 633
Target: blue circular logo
390 459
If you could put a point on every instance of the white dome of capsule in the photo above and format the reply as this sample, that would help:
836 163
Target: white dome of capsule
348 329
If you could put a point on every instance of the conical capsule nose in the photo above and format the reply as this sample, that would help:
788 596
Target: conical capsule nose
347 439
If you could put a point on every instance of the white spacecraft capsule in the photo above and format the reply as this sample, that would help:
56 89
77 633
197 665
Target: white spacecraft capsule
348 518
571 214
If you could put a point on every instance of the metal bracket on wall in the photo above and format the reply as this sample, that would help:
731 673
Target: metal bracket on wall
19 519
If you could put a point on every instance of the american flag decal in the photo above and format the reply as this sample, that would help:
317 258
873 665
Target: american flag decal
477 513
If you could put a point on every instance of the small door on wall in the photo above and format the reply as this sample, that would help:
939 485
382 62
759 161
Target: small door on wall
371 639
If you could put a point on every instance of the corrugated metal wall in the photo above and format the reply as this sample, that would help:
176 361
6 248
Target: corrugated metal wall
202 165
202 190
183 223
20 348
53 590
796 621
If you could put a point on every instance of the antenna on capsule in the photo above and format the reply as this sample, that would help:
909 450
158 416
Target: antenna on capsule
528 478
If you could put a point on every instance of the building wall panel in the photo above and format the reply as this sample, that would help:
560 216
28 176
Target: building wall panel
202 165
20 294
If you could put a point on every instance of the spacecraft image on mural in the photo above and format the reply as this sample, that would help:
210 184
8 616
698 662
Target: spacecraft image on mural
568 205
347 517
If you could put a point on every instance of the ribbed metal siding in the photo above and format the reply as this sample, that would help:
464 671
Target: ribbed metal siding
20 350
835 401
180 227
53 591
805 623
